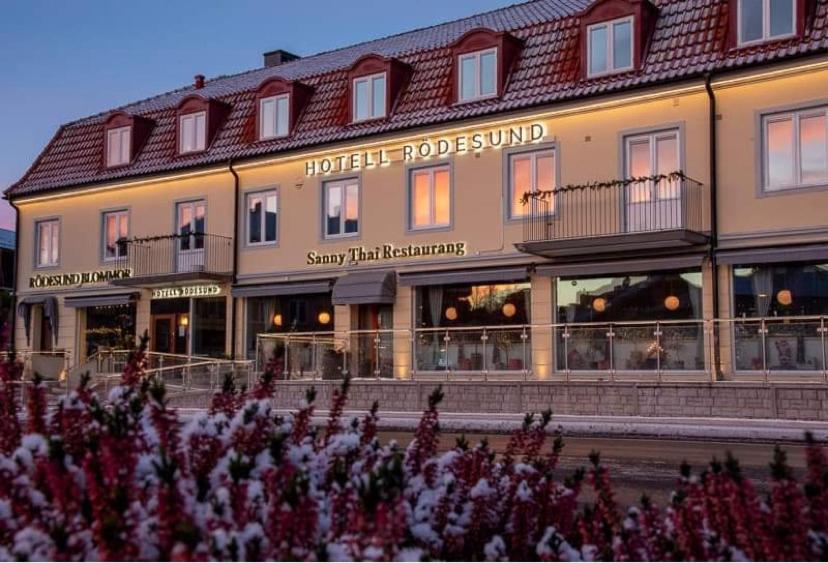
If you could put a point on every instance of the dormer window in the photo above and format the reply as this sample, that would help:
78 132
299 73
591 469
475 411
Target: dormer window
118 146
274 116
369 97
192 129
478 75
763 20
610 46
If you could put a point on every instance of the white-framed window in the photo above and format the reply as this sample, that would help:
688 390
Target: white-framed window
115 229
610 46
795 149
369 97
762 20
477 75
648 155
262 216
531 171
192 132
47 236
118 146
273 116
341 208
429 196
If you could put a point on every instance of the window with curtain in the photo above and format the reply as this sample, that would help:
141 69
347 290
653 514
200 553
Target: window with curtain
341 208
118 146
262 211
477 75
528 172
47 234
287 313
430 197
795 149
192 132
610 46
472 305
779 290
273 117
115 230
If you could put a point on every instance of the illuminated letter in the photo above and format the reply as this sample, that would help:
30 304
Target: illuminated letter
536 132
477 141
442 147
408 153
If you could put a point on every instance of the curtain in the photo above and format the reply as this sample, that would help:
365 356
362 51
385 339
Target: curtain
435 302
527 302
695 299
25 311
762 282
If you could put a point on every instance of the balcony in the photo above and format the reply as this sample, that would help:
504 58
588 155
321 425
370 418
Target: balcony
664 212
165 259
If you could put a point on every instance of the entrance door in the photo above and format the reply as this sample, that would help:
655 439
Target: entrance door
653 205
190 251
374 346
46 337
163 334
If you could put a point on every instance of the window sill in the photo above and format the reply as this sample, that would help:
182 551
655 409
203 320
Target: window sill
764 41
797 189
472 100
608 73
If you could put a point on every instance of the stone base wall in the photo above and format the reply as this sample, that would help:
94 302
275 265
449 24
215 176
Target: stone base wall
719 400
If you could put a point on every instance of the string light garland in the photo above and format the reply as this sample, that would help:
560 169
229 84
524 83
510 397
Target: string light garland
546 194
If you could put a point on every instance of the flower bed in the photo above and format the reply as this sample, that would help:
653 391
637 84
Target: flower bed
122 478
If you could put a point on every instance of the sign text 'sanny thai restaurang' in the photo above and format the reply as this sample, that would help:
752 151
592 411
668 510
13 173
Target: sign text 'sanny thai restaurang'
548 190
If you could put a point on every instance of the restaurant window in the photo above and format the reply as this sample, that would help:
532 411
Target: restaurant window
478 75
610 46
530 171
460 312
209 326
430 197
775 308
109 327
795 149
287 314
115 231
369 97
192 132
762 20
262 211
47 234
341 208
273 116
633 303
118 146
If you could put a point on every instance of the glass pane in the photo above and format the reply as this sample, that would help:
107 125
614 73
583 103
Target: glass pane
55 246
667 162
780 148
43 244
793 345
781 17
186 129
442 197
198 226
420 199
379 96
111 235
813 148
268 118
112 151
639 166
468 89
125 142
334 208
124 228
255 220
545 175
270 218
185 220
200 131
521 183
751 20
361 107
488 69
282 119
597 49
352 208
622 45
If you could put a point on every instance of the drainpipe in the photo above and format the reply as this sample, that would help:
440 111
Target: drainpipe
233 314
15 269
714 218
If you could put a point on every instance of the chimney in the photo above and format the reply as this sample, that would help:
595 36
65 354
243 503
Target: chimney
277 57
198 81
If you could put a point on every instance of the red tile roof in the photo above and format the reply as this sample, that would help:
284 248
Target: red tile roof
690 39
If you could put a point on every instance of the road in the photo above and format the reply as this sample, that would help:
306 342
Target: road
647 465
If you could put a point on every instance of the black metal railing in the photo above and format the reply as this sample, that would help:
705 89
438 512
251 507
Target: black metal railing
646 205
176 254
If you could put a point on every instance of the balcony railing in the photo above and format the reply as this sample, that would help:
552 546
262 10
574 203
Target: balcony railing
176 256
657 204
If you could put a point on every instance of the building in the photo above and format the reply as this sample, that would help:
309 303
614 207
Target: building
552 190
7 244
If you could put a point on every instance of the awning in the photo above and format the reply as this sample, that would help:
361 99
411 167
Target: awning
440 277
277 289
50 312
620 266
377 287
102 300
799 253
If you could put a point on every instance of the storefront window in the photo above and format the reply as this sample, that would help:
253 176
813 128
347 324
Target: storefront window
633 304
110 327
209 326
287 314
473 327
770 302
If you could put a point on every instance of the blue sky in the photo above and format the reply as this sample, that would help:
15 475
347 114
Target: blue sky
62 60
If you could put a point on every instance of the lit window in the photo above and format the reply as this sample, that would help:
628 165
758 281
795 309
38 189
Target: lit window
530 172
341 208
47 234
118 146
192 132
477 75
369 97
795 149
273 117
261 217
115 229
649 155
610 46
761 20
430 197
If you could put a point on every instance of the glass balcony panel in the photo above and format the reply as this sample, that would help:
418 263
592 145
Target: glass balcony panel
682 346
635 348
793 345
586 349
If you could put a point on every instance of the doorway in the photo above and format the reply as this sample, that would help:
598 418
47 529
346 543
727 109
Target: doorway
190 217
653 205
170 326
374 346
